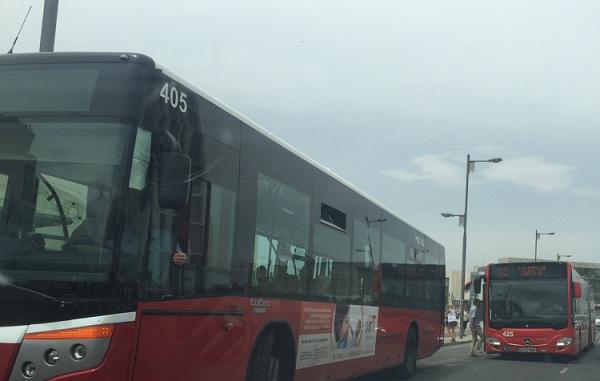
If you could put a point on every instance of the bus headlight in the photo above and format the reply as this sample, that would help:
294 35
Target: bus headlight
492 341
564 342
29 370
78 352
52 356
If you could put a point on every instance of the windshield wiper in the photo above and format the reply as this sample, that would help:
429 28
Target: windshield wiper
61 303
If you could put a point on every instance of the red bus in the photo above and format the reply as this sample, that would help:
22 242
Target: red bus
538 307
109 164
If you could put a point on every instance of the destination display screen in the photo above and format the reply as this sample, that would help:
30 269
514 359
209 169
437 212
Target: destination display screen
82 88
546 270
47 89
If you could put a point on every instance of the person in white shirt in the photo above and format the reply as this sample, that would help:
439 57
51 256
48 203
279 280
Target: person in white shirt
452 318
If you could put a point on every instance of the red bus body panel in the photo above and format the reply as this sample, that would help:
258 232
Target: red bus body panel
8 353
214 339
542 340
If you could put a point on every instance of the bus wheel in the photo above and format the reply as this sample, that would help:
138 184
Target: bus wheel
269 362
409 366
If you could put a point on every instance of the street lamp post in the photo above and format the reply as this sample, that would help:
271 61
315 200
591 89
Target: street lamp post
470 168
537 237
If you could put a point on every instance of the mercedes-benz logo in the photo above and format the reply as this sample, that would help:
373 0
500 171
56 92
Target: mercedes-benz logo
527 341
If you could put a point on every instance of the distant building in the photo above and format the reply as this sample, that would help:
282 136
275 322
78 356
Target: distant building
590 271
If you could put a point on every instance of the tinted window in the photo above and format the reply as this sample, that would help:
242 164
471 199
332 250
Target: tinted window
393 277
208 226
281 237
415 290
541 302
205 230
331 275
363 266
3 185
65 183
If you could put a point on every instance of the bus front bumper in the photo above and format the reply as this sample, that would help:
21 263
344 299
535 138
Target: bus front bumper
556 345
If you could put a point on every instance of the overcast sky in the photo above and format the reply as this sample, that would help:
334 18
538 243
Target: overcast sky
392 95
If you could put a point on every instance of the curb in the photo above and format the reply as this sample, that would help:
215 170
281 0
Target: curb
451 344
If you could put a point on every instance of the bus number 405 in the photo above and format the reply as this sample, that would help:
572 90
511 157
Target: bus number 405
174 97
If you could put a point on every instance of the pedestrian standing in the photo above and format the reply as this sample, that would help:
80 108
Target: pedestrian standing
475 327
452 319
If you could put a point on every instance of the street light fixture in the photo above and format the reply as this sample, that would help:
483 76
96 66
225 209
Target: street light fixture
448 215
537 237
470 168
558 256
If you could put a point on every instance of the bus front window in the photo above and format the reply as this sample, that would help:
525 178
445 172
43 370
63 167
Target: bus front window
59 185
528 303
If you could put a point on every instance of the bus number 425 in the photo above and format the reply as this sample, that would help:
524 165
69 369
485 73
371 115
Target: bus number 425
174 97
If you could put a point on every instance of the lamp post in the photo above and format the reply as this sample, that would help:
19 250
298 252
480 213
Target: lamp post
470 168
537 237
49 26
558 256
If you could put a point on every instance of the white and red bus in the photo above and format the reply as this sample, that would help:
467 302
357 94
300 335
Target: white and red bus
538 307
109 164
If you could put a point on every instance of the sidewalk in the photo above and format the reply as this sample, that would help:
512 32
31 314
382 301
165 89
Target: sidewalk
465 340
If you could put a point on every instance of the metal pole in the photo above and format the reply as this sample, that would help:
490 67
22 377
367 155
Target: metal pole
536 239
49 26
464 255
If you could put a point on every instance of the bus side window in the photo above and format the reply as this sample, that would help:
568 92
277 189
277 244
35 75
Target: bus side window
3 185
364 262
281 237
332 273
3 209
206 228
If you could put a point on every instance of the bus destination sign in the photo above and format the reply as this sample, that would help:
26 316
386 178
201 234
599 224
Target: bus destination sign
527 270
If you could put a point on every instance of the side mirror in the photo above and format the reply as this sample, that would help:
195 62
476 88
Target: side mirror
477 285
174 172
577 290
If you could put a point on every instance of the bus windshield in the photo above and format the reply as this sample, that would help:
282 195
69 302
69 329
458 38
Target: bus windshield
59 182
528 303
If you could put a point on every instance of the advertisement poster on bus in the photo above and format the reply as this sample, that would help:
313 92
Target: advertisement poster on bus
329 334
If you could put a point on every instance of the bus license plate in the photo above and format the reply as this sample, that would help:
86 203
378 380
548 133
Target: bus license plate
527 350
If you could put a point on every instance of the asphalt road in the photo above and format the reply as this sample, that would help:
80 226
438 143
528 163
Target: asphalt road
453 363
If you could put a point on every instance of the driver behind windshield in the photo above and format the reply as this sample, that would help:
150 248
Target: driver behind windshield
93 230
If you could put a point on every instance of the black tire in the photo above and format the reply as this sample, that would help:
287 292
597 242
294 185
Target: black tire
409 365
270 363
